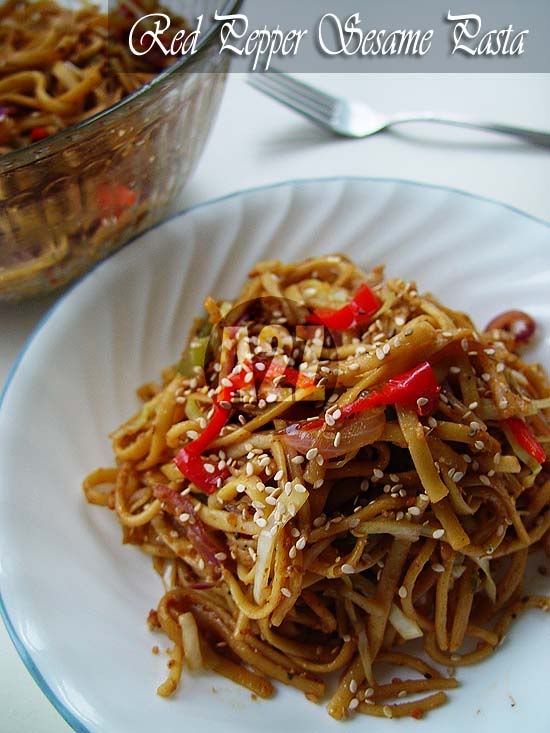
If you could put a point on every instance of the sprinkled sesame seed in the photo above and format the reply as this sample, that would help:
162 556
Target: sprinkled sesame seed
423 497
337 414
464 344
261 521
353 686
329 419
386 348
260 366
490 352
497 458
503 404
297 460
369 692
473 405
365 483
279 475
458 476
312 452
353 367
437 534
300 489
319 521
337 439
248 377
377 473
320 460
399 320
318 483
485 480
451 472
387 711
353 703
301 543
437 567
347 569
285 592
380 354
249 469
402 592
399 516
486 377
414 510
192 434
292 552
432 422
220 556
402 693
184 517
209 468
454 370
501 367
466 458
271 500
480 445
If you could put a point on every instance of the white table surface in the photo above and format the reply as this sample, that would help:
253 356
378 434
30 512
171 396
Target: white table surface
255 141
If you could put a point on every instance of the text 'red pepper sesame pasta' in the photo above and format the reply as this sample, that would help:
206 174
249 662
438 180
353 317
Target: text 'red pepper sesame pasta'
314 504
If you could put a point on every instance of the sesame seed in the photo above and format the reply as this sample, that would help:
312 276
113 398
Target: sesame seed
369 692
353 367
402 592
399 516
458 476
209 468
386 348
279 475
486 377
295 532
184 517
399 320
464 344
337 439
451 472
473 405
347 569
353 686
414 510
261 522
485 480
423 497
466 458
365 483
329 419
249 377
319 521
192 434
285 592
377 473
380 354
260 366
297 460
241 488
353 703
437 567
301 543
497 458
249 469
432 422
402 693
387 711
503 404
479 445
271 500
312 452
320 460
454 370
318 483
220 556
437 534
292 553
501 367
337 414
300 489
490 352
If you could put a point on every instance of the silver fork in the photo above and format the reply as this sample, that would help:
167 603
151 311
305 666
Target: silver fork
358 120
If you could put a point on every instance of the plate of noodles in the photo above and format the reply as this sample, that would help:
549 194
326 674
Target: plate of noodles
317 415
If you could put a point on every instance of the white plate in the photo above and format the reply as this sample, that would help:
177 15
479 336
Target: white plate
73 598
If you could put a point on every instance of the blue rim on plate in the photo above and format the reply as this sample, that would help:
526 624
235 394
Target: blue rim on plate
23 652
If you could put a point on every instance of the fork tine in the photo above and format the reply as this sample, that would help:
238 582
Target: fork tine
297 103
301 88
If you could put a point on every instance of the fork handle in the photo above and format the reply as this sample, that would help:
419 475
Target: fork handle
538 137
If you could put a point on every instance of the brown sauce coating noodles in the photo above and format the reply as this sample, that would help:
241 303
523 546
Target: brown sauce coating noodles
302 563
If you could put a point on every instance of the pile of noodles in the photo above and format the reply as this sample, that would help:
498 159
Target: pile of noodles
59 65
310 561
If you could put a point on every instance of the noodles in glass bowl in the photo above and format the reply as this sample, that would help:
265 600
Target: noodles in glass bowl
337 473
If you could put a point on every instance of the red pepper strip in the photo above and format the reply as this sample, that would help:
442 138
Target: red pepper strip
404 389
277 368
360 309
188 460
192 467
113 200
204 542
525 438
38 133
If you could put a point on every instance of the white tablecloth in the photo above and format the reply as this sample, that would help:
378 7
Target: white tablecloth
255 141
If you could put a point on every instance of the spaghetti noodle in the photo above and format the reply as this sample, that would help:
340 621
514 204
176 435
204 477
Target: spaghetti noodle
336 466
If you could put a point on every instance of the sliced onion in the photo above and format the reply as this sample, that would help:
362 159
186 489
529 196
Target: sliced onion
356 431
489 583
190 640
405 626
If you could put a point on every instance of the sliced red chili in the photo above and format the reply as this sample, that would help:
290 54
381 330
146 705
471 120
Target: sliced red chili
358 311
526 438
38 133
114 199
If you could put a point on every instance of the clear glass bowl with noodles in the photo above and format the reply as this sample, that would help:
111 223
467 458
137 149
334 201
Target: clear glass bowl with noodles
56 222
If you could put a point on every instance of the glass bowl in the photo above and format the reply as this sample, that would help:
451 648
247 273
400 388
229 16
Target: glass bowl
70 199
